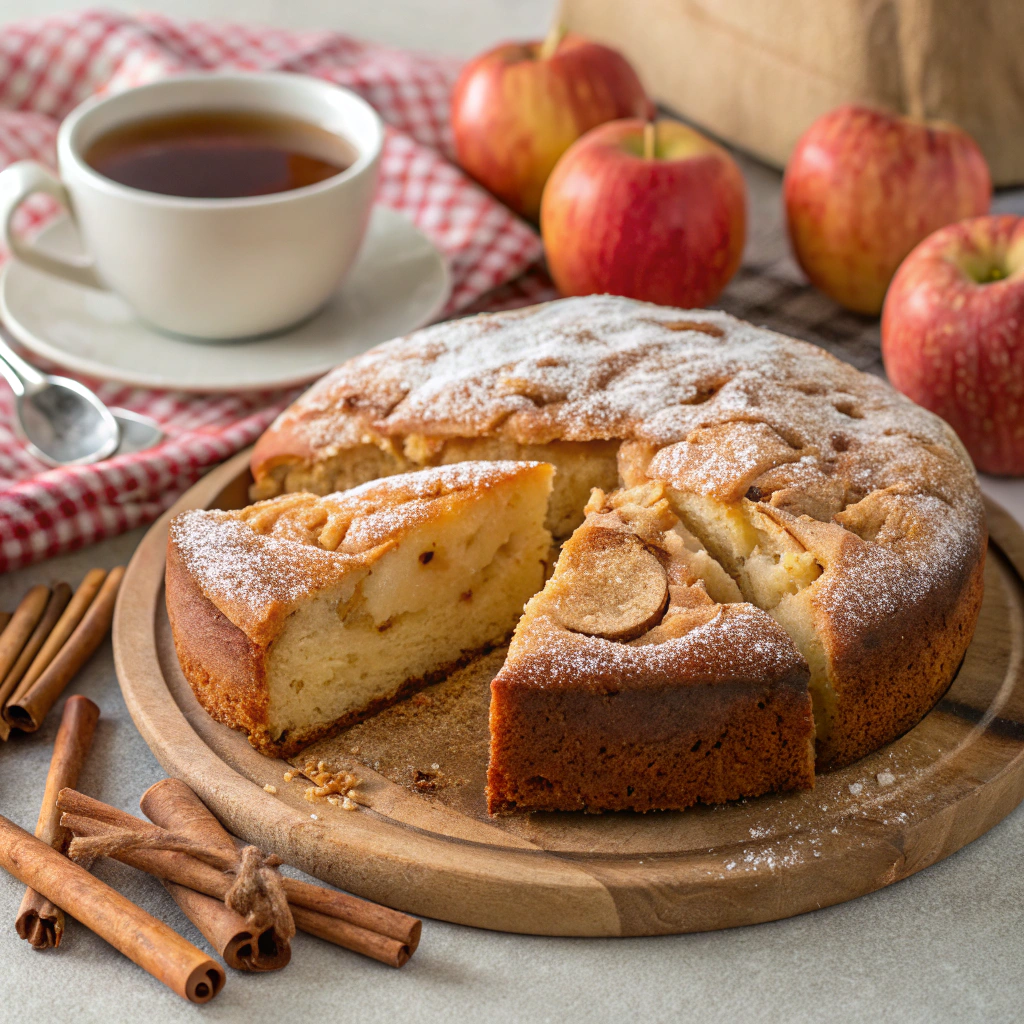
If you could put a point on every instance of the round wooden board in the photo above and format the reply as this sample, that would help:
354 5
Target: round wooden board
905 807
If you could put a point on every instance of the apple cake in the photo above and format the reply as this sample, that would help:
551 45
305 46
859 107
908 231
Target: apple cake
639 678
301 614
846 513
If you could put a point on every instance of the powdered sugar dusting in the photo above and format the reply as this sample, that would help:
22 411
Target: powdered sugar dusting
738 642
598 367
695 639
256 563
728 407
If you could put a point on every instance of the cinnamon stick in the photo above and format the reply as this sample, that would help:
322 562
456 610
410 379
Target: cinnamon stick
350 936
55 606
316 910
70 618
74 802
171 804
229 934
14 638
372 917
40 921
186 870
150 943
169 865
31 708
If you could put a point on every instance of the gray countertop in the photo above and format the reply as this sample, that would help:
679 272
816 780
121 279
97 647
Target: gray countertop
944 945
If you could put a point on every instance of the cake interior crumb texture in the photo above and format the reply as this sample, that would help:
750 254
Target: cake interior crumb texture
443 590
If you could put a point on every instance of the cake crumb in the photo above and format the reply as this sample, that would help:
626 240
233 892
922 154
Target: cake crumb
327 783
886 778
348 804
288 776
272 790
855 788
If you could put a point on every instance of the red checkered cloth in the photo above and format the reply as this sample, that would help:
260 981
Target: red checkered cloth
48 66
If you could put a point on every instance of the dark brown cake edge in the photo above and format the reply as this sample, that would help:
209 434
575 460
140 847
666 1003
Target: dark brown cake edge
560 750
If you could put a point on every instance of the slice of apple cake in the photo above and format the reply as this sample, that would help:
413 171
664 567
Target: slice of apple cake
639 678
299 615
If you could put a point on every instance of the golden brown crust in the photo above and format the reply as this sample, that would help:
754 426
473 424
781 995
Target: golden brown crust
222 665
889 670
662 748
582 370
257 564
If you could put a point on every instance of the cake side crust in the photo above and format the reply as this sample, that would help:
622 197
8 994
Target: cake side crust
887 685
224 667
663 748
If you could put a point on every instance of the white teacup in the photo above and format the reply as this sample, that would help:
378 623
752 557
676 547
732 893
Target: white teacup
208 268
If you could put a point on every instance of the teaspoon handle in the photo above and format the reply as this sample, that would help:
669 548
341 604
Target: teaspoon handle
11 376
28 376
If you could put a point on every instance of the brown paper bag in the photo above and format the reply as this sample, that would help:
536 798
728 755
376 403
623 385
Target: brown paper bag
756 73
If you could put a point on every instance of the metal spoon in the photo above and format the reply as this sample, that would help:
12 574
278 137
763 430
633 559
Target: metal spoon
138 432
62 421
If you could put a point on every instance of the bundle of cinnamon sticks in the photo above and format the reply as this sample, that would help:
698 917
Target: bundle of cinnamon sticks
244 907
44 643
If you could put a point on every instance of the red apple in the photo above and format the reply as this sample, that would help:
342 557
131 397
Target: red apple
953 335
663 222
863 187
516 110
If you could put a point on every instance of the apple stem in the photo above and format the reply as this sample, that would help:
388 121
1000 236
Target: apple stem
554 37
650 140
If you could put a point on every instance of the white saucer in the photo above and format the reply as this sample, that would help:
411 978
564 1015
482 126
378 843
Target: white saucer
400 282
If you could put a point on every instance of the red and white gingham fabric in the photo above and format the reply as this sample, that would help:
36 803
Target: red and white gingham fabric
48 66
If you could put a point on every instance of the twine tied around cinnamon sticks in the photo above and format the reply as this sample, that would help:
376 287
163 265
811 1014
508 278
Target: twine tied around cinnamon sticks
257 892
368 928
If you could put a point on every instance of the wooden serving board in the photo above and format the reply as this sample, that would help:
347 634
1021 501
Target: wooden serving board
433 851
